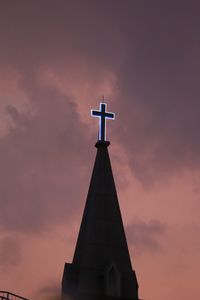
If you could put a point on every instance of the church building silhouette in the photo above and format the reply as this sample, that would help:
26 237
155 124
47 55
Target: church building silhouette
101 267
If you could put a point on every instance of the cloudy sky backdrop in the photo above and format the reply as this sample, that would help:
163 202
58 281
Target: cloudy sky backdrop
57 58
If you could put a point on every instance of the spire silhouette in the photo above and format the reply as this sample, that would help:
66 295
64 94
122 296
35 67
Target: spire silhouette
101 266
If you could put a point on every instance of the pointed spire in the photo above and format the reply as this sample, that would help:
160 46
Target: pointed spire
102 234
101 264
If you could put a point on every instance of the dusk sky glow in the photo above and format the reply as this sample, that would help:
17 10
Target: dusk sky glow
57 58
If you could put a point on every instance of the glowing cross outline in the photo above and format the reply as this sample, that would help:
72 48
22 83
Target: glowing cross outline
102 114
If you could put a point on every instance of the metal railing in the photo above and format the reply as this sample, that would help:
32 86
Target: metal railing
4 295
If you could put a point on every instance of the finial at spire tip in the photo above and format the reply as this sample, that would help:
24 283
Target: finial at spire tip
102 144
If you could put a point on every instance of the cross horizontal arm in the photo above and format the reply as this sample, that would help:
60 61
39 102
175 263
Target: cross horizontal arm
95 113
110 115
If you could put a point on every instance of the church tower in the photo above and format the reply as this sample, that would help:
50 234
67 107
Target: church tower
101 267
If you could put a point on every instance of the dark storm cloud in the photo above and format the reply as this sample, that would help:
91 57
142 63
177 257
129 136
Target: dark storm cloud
144 237
152 48
40 157
40 161
50 33
159 85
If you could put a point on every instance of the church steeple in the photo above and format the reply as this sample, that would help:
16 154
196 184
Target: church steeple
101 266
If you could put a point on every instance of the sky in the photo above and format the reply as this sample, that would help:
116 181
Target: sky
57 59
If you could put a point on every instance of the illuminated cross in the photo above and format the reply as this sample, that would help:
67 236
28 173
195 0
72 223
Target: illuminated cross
102 114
